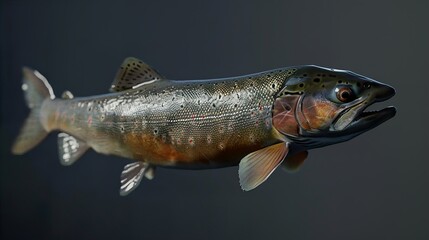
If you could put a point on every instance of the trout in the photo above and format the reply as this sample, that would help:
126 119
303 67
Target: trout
258 121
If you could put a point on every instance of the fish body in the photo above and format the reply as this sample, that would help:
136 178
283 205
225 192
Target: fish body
190 124
255 121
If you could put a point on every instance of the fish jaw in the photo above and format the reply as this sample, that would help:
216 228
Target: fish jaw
356 119
368 120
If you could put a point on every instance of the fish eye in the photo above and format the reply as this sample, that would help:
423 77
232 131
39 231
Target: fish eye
344 94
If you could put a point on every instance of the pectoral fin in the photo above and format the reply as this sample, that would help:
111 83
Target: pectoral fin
256 167
294 162
70 148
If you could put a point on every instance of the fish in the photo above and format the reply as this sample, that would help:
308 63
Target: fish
258 121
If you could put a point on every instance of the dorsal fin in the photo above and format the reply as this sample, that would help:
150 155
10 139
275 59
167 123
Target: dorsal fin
132 74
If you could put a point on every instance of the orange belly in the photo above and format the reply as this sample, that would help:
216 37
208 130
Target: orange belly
163 152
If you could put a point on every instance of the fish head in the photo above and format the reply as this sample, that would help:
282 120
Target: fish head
321 106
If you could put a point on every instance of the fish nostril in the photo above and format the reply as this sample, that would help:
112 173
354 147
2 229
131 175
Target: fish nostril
366 85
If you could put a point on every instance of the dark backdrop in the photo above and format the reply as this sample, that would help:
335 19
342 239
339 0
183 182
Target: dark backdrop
373 187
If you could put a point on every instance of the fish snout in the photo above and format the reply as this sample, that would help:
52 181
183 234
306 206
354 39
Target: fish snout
383 92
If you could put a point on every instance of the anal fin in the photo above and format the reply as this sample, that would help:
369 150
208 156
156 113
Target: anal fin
132 175
70 148
257 166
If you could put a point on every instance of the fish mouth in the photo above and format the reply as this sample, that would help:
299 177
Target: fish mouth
356 119
366 120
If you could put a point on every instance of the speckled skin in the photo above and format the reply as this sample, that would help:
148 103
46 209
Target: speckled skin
258 121
182 124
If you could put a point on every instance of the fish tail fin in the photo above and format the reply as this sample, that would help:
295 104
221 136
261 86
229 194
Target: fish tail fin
36 90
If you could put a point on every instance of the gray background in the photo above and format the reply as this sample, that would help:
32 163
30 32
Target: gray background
373 187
